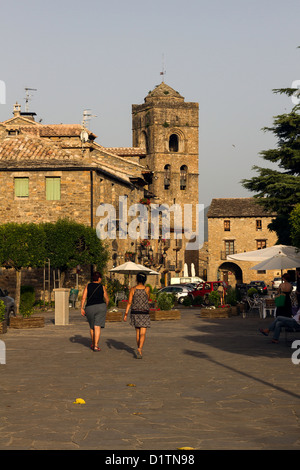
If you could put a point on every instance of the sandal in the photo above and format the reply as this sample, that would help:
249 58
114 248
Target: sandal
96 348
275 341
138 354
264 332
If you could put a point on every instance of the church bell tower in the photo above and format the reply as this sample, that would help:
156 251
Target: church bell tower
167 128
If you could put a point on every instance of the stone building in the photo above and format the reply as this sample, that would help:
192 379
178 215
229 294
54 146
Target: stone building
55 171
167 129
236 225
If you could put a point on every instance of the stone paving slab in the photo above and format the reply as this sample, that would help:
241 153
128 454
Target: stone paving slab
207 384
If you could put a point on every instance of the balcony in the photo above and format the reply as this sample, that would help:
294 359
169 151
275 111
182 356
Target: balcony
224 254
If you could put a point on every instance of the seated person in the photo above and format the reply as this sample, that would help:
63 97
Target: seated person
280 322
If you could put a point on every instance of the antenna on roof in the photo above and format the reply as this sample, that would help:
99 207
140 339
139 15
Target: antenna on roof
87 117
163 72
27 99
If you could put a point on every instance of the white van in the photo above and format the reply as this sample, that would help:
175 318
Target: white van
185 280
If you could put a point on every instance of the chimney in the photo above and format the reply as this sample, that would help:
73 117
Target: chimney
17 109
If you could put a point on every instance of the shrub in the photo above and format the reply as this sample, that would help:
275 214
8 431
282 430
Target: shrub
251 292
198 300
231 297
27 301
165 301
2 311
214 298
188 301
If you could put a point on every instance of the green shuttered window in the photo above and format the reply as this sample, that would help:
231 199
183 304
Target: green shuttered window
53 189
21 187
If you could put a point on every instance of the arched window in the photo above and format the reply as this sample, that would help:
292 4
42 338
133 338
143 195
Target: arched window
183 177
173 143
167 176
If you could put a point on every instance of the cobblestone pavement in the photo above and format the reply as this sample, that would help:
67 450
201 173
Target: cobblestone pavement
205 384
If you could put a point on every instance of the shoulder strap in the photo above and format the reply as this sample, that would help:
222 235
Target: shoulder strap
93 293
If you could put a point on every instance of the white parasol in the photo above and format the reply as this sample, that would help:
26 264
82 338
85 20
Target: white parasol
280 261
266 253
132 268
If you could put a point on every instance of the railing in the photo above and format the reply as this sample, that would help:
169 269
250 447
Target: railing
224 254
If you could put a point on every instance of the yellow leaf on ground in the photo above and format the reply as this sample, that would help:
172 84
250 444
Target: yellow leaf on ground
79 401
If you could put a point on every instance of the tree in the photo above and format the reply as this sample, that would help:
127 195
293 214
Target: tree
279 191
21 246
69 244
295 226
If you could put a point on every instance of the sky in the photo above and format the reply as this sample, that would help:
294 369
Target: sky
105 56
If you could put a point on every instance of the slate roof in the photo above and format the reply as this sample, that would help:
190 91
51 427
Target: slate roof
237 207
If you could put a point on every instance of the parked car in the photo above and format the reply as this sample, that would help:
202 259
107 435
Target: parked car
203 289
191 285
10 308
276 282
180 292
260 286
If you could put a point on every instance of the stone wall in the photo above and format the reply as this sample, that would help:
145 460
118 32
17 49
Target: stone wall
243 232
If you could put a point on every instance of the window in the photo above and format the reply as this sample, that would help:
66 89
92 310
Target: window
261 244
258 225
53 189
229 247
183 177
227 225
21 187
173 143
167 176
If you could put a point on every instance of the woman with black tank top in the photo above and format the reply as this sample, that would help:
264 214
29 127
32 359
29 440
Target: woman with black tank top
94 305
138 301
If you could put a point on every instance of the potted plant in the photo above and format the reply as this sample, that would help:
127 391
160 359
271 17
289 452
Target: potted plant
214 298
26 319
3 322
165 311
231 299
251 292
216 310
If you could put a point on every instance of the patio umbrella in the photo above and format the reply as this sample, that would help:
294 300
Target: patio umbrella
280 261
132 268
265 253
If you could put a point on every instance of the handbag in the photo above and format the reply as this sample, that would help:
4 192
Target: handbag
280 300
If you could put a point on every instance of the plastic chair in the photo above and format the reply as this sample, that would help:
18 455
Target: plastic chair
269 307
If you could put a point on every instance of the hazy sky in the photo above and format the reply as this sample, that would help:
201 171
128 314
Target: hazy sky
106 56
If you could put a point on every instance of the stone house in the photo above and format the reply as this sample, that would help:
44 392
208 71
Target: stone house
236 225
55 171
